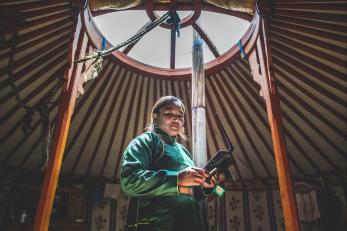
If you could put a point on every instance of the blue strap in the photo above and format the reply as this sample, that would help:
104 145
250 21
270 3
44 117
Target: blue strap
176 21
242 50
197 43
103 43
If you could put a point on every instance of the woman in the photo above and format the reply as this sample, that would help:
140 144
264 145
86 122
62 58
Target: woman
159 174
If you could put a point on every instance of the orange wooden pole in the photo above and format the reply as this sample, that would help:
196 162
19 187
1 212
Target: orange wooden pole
261 64
66 106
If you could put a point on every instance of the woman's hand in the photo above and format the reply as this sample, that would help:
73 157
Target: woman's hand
191 176
213 181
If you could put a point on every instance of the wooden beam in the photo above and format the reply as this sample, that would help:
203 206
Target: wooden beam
261 64
207 39
326 6
33 5
282 68
316 32
36 22
231 124
324 16
98 108
54 47
309 24
237 116
37 77
11 153
21 40
65 111
18 107
278 29
213 109
301 48
314 69
247 85
173 49
199 141
60 33
106 122
41 12
198 103
124 84
127 121
84 118
184 90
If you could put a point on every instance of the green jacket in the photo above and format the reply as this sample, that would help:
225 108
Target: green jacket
151 163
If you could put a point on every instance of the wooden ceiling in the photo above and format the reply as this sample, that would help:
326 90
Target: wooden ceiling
308 42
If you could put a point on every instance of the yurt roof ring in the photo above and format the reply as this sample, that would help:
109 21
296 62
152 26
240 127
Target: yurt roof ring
187 21
247 40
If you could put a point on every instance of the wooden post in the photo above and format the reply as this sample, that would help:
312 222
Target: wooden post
260 60
199 115
198 103
173 48
72 79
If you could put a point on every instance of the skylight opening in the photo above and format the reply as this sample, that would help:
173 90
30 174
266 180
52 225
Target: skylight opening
153 49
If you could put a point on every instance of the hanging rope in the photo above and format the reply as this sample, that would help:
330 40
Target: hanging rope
102 53
176 21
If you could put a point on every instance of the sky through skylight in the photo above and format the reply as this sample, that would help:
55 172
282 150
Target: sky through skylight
154 48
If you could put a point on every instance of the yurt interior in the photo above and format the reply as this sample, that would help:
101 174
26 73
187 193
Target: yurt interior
264 84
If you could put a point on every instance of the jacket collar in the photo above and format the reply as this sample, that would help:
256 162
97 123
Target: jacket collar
166 138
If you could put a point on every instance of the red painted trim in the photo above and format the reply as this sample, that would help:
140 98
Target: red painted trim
182 6
187 21
173 49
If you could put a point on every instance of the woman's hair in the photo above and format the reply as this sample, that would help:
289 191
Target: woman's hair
162 102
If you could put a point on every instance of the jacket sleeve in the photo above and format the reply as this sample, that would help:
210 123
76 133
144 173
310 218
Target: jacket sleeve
136 177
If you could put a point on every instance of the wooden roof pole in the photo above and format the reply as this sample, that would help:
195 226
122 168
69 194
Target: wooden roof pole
72 80
199 147
198 103
260 59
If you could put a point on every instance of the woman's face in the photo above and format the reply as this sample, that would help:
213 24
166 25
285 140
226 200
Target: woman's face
171 119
